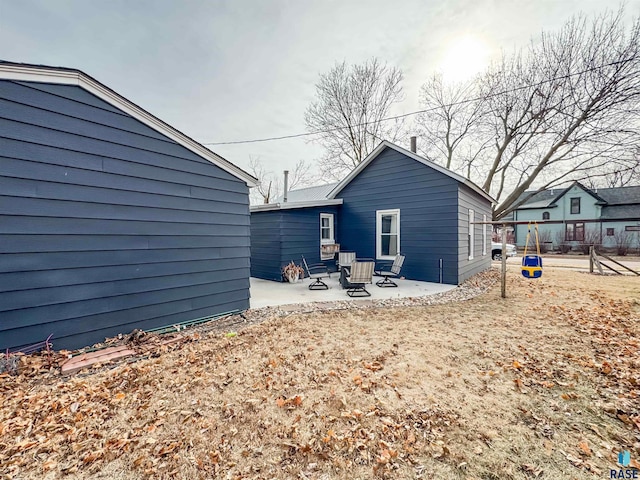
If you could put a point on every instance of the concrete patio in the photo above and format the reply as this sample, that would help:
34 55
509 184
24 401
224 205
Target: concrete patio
265 293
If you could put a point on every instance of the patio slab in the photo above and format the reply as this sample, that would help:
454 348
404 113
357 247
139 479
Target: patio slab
265 293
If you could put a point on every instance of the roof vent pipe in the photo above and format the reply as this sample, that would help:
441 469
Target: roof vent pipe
413 144
286 186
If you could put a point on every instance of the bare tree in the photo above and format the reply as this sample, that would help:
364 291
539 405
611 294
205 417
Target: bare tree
270 186
265 190
351 103
452 125
564 109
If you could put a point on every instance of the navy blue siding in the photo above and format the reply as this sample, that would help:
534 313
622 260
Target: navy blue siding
281 236
468 199
428 203
265 245
300 233
107 225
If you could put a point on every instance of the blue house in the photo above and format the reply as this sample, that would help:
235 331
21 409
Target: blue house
110 219
582 216
395 201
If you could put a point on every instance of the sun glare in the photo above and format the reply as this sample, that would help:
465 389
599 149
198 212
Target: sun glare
464 57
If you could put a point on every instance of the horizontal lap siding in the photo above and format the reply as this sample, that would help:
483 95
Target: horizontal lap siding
107 225
471 200
427 200
281 236
300 235
265 245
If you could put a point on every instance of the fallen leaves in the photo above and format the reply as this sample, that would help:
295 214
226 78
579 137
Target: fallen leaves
298 397
584 448
292 402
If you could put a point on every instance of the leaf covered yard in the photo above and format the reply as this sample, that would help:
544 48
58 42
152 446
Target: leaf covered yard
544 384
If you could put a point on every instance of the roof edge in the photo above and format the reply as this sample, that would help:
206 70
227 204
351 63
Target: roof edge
291 205
384 144
66 76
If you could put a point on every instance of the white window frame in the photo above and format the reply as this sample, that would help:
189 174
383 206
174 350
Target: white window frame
379 214
471 238
332 239
484 235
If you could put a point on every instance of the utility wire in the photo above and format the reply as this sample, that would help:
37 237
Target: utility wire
417 112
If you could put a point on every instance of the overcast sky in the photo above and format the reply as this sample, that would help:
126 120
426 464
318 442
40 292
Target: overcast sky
238 70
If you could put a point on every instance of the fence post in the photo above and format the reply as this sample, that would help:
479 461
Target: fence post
591 259
503 274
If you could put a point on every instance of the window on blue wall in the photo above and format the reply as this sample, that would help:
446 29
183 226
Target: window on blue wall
387 233
326 229
574 232
545 215
575 205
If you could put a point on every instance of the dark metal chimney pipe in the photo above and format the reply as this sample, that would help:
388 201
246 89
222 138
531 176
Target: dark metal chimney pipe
286 185
413 144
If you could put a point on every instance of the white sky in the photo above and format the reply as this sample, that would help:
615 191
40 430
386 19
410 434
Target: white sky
236 70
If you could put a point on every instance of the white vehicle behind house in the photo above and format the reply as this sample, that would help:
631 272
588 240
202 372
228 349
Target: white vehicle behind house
496 250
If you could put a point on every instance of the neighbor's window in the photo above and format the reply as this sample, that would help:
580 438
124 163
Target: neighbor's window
575 205
545 215
470 238
484 235
387 233
610 232
574 232
632 228
326 228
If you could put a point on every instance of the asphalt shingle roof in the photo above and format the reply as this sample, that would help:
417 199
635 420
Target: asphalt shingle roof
621 211
613 196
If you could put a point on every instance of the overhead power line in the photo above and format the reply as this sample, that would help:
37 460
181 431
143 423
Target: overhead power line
417 112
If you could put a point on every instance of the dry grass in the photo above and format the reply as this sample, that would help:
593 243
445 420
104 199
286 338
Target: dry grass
544 384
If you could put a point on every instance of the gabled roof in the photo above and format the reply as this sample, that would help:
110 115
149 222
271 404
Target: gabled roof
380 148
69 76
603 196
585 189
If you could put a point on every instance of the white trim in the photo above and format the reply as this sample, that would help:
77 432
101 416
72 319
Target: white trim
484 235
332 239
291 205
356 171
472 236
78 78
379 214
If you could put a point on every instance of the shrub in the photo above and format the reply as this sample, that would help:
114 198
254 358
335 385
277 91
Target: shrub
561 244
591 238
544 239
623 242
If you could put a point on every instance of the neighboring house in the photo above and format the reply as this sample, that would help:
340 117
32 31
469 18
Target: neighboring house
110 219
604 216
394 201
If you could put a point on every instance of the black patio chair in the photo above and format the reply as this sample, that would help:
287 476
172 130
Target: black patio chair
392 271
317 272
